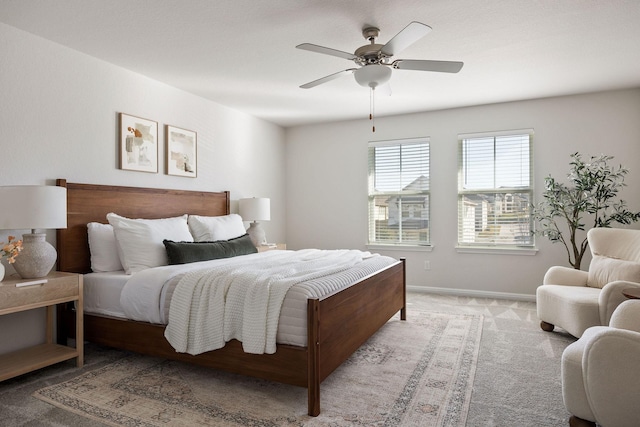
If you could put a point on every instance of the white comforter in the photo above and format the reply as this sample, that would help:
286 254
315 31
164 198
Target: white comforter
207 311
145 290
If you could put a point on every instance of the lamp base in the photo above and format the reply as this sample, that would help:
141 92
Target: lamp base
36 258
257 235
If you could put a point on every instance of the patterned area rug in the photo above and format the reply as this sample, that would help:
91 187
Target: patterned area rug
414 373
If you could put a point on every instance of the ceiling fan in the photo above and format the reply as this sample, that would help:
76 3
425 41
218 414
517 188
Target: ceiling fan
375 59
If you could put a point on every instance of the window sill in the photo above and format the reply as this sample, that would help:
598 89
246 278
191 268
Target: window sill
496 251
404 248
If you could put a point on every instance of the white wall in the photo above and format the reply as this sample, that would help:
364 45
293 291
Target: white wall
327 180
58 119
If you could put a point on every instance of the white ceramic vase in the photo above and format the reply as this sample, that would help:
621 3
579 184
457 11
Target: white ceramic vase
1 271
36 258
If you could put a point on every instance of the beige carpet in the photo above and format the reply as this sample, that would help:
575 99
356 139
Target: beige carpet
414 373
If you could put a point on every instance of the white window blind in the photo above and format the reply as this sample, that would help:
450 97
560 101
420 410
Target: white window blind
399 192
495 189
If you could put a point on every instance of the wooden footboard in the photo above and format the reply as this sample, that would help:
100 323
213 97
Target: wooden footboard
288 365
340 323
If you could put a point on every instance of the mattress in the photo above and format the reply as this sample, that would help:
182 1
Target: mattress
102 293
146 295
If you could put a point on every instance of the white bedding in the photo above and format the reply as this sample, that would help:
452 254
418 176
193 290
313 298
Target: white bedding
146 295
242 300
102 293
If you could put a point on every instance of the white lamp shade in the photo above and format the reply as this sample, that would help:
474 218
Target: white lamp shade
255 209
33 207
373 75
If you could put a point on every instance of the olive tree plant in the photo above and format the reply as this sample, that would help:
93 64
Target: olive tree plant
590 199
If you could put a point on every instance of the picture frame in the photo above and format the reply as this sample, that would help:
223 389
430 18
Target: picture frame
181 151
138 142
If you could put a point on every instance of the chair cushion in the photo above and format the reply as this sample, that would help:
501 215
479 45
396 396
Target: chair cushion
603 270
619 243
573 308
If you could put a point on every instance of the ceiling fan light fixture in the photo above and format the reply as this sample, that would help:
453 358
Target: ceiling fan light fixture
373 75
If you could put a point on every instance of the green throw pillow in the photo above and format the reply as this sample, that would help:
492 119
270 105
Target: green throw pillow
186 252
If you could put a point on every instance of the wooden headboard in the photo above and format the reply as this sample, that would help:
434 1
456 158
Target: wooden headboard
91 203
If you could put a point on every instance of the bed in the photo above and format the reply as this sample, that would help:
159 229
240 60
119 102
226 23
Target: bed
337 324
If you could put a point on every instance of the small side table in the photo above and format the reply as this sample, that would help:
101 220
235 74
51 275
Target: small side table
27 294
631 293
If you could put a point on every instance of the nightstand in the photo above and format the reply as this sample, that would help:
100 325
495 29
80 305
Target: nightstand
278 246
15 296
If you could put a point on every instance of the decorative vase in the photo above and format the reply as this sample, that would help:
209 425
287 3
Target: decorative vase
37 257
1 271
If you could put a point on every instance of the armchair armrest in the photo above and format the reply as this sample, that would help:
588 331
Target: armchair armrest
611 297
559 275
627 316
611 376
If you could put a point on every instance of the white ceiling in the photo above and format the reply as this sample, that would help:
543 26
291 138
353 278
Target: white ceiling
241 53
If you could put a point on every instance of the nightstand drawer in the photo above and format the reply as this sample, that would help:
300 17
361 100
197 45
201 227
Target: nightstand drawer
55 290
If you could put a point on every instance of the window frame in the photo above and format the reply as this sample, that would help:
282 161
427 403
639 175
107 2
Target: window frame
528 236
373 193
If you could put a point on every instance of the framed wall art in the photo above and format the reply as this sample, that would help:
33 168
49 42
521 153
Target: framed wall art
138 144
182 151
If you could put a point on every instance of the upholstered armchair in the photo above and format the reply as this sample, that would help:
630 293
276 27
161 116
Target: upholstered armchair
601 372
576 300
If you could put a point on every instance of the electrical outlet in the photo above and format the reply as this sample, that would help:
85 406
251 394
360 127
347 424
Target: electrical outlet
427 265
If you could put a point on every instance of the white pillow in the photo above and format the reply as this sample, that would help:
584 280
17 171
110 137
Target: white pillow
603 270
213 228
103 248
139 241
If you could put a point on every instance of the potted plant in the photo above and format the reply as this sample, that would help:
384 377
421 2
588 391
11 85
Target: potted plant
591 196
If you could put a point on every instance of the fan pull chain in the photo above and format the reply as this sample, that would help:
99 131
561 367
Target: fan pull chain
372 108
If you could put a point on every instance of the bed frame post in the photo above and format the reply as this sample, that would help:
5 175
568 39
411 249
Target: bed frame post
313 358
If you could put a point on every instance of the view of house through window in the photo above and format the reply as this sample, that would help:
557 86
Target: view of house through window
399 192
495 189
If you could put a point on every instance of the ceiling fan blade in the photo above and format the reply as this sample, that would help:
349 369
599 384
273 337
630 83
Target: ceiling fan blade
408 36
326 50
426 65
327 78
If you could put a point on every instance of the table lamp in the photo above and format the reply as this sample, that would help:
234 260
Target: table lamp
34 207
256 209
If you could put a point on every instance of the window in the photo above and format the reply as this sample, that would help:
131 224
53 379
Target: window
495 189
399 192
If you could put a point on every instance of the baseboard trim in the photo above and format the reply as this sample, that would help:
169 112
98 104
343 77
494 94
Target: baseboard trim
472 293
